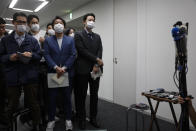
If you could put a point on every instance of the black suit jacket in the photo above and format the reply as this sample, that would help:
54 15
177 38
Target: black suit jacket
88 50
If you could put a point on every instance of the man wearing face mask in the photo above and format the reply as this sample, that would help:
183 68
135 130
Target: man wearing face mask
89 48
20 53
60 55
3 33
49 30
33 23
70 32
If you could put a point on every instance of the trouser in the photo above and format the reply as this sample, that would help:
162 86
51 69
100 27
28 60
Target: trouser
2 99
43 90
2 96
42 95
80 91
52 94
30 97
60 98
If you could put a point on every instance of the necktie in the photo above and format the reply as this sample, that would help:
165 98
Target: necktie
19 41
90 36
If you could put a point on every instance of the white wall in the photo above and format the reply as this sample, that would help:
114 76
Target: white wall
116 23
125 47
152 46
155 51
103 9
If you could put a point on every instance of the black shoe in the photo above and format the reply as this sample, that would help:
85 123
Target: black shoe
94 122
82 125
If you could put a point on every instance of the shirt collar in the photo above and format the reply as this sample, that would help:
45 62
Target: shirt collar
88 31
33 33
1 37
16 36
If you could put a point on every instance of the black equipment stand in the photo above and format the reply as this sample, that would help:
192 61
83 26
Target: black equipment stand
184 117
179 33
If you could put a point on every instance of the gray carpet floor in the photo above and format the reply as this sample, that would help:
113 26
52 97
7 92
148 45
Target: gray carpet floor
113 117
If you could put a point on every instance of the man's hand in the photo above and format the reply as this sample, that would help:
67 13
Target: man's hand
41 39
99 61
27 54
59 71
14 57
95 69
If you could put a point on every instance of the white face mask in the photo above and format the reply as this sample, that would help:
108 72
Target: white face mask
21 28
51 32
58 28
72 34
90 24
35 27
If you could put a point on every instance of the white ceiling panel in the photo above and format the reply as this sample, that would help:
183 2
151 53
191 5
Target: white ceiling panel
27 4
54 8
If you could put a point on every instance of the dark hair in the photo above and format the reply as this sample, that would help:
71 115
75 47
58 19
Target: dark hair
86 15
48 25
19 14
179 23
58 17
30 17
2 21
68 30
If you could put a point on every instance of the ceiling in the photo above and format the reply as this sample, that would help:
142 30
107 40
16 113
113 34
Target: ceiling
77 24
54 8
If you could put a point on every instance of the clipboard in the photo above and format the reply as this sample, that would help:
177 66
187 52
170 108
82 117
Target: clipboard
54 82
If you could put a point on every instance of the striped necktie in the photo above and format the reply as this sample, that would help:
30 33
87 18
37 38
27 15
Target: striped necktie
19 41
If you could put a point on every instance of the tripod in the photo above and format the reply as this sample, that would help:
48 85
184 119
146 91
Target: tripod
184 117
180 33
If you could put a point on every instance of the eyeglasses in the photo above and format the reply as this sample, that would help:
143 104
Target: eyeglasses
21 22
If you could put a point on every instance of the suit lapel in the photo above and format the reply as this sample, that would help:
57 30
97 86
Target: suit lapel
85 37
56 44
89 43
25 41
63 43
13 40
